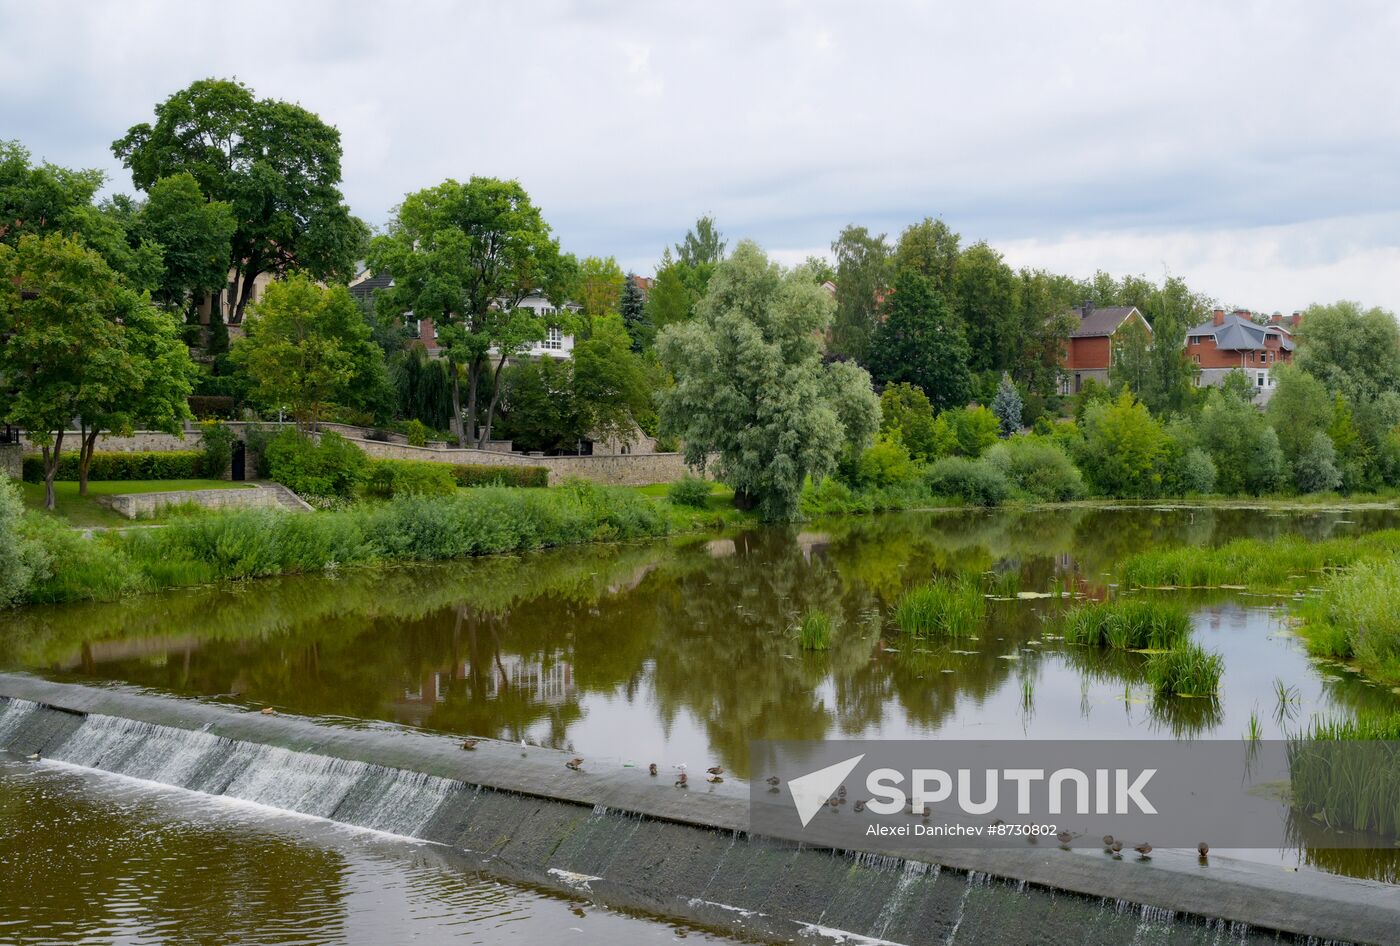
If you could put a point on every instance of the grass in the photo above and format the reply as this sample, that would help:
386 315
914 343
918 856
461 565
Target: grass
1128 624
1185 670
1357 618
1345 773
944 607
814 631
87 512
1278 564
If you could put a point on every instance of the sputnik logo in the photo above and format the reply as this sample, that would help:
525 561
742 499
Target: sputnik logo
811 791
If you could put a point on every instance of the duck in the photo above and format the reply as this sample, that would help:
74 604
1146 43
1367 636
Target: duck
859 805
1064 837
1203 849
773 781
712 777
1108 840
841 792
33 757
681 780
470 744
1117 848
1143 849
575 764
715 770
651 770
267 711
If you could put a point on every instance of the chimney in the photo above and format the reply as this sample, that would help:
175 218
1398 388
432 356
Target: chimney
1086 309
1219 316
1297 319
1276 318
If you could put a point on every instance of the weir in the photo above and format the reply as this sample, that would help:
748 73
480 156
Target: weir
629 840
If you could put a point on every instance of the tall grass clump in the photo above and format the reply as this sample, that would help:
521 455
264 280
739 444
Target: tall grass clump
1128 624
1185 670
943 607
1357 617
1276 564
1346 773
814 631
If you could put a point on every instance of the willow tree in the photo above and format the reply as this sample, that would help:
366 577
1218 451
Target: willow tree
465 256
751 389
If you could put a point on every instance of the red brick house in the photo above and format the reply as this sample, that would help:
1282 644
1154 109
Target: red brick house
1089 350
1236 342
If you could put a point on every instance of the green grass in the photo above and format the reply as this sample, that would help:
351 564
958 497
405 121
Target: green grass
1357 618
1185 670
86 512
944 607
1345 773
814 631
1128 624
1278 564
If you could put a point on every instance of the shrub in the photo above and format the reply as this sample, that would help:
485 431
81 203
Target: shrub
1124 448
974 428
1195 473
886 462
973 481
1185 670
331 467
1038 468
943 608
204 406
471 474
389 478
1357 616
23 558
1315 469
417 433
1128 624
690 491
216 449
814 631
154 465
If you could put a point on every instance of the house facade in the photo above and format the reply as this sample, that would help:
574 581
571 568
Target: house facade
1236 342
1088 352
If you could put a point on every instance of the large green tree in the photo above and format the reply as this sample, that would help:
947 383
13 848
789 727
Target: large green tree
600 282
920 341
862 279
307 348
1353 351
610 383
985 293
466 255
275 164
195 235
632 306
930 248
751 389
703 245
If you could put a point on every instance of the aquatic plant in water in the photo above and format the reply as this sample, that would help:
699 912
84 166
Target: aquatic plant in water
1185 670
814 631
1128 624
944 607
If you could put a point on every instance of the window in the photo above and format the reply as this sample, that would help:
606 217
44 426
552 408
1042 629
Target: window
1196 359
553 339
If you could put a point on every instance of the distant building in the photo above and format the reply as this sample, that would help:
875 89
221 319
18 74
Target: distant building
1235 341
1088 353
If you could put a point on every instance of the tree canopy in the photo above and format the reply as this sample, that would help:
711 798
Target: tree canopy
921 342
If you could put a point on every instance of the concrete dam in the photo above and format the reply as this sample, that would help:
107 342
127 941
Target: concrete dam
634 842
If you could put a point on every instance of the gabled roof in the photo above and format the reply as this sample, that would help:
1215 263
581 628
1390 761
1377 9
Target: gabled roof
1101 322
366 283
1237 333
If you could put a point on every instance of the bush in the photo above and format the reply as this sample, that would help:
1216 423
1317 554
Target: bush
216 449
974 428
1038 468
1125 449
943 608
690 491
1195 473
390 478
154 465
973 481
23 558
886 462
331 468
204 406
417 433
1315 469
475 474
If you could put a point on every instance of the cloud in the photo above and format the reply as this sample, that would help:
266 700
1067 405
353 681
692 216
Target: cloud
1228 139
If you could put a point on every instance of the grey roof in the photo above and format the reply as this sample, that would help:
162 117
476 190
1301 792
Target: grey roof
1240 334
368 285
1103 321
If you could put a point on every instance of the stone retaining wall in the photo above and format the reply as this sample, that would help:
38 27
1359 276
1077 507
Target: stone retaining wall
136 505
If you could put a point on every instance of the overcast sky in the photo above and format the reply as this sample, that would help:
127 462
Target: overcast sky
1253 148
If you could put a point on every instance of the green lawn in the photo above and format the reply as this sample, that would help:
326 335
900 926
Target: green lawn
84 511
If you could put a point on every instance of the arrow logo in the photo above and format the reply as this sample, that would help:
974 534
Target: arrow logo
811 791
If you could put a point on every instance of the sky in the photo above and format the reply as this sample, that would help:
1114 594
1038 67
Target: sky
1251 148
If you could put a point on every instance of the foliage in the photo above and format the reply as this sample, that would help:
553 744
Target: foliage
690 491
814 630
422 387
205 406
308 349
921 342
416 433
1185 670
632 307
466 255
600 283
984 300
195 235
1244 448
1342 773
974 429
1299 407
751 387
1007 407
389 478
1195 474
216 449
945 608
862 279
1355 618
480 474
154 465
1282 563
1315 468
703 245
1124 448
541 412
1128 624
905 410
929 249
1037 467
609 385
886 462
1351 351
326 468
977 482
23 559
276 166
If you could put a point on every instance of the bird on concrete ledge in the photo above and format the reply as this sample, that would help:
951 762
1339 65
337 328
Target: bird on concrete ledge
575 764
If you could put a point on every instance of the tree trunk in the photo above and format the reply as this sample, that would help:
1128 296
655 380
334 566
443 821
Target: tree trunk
491 406
457 407
251 270
86 446
473 383
51 471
